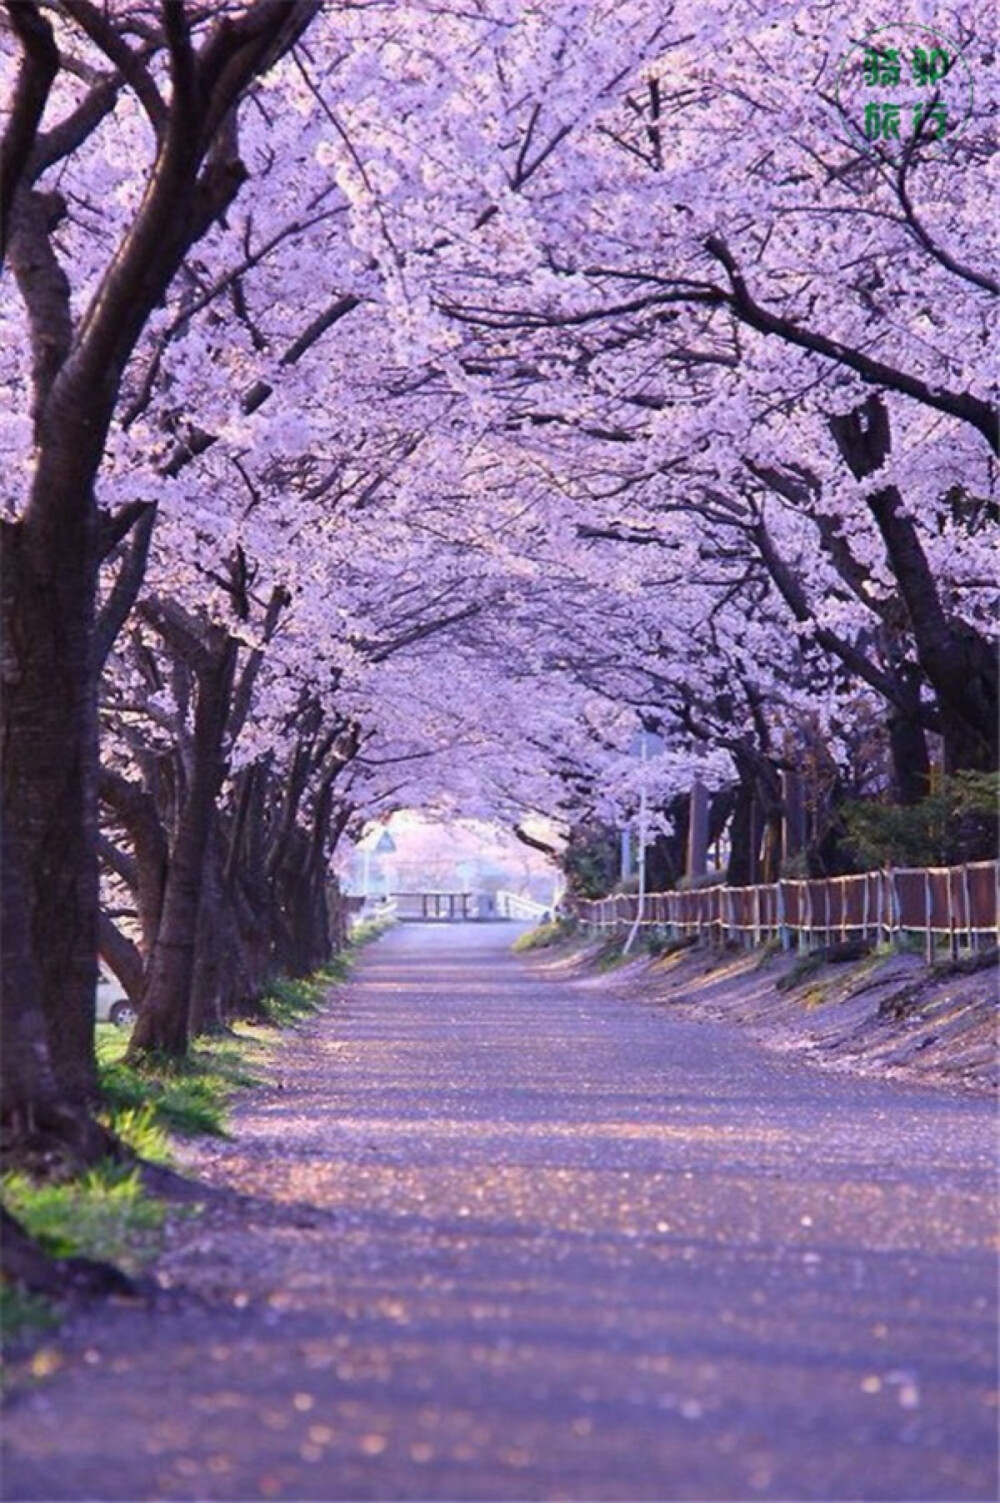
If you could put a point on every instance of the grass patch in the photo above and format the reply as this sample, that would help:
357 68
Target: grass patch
105 1215
901 1004
967 965
660 945
804 968
368 931
767 952
189 1097
287 1002
610 955
23 1316
544 936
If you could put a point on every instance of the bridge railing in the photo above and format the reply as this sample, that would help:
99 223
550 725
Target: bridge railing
366 910
512 905
431 907
953 907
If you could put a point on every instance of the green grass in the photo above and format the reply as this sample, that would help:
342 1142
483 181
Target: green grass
544 936
287 1002
368 931
106 1214
189 1097
768 952
23 1315
610 954
967 964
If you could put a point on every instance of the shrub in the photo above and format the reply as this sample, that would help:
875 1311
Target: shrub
940 830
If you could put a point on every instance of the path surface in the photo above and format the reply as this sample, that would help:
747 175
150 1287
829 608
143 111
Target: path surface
516 1237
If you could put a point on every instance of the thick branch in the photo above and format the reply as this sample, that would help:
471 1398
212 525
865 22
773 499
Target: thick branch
121 955
790 589
981 415
128 581
45 289
107 36
39 66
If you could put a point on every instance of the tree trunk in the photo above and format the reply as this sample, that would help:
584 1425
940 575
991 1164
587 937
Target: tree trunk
223 985
48 718
135 809
122 957
911 763
50 876
163 1024
960 664
742 867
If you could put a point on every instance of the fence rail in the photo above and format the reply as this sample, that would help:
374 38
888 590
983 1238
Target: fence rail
957 906
511 905
441 907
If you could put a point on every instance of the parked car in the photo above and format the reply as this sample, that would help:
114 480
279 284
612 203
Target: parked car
113 1005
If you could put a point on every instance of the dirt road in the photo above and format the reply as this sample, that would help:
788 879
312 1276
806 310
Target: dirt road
513 1237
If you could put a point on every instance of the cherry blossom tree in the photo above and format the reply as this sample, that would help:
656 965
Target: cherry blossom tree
142 111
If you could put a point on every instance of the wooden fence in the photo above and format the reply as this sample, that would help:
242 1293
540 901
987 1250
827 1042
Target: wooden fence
950 907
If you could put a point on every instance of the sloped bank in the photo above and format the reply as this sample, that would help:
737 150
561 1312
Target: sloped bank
887 1014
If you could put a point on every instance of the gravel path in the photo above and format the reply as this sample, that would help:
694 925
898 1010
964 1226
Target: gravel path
516 1237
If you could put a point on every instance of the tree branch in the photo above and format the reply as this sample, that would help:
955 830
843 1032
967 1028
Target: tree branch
108 38
39 66
981 415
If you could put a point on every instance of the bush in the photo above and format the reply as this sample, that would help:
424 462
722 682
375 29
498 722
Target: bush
953 824
591 860
804 968
287 1001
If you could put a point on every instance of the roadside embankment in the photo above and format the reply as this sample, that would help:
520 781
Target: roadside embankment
887 1014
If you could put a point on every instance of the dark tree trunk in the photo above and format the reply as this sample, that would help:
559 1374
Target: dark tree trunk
226 982
666 856
960 664
769 868
163 1024
741 870
911 763
48 721
135 809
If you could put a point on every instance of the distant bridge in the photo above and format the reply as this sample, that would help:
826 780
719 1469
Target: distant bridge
458 907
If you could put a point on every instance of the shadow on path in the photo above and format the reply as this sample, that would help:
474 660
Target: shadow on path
502 1236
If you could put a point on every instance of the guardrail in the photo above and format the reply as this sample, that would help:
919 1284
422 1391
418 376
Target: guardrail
436 907
366 910
511 905
956 905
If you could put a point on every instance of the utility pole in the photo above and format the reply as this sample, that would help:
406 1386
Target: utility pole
641 853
